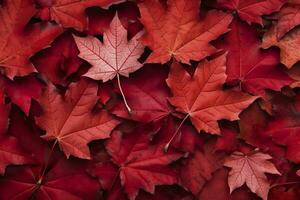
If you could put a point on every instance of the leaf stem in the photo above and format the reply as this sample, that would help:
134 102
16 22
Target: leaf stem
175 134
122 93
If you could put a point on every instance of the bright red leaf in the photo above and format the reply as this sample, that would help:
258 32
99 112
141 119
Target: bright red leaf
179 32
201 96
142 165
70 119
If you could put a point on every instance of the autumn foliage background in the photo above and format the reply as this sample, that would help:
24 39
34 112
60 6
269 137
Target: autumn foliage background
149 100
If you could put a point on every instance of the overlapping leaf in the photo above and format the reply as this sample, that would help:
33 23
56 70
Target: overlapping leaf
201 96
116 56
179 32
17 44
71 121
250 169
252 69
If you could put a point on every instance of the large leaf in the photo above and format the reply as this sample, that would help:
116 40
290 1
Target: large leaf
71 121
201 96
179 32
115 56
141 165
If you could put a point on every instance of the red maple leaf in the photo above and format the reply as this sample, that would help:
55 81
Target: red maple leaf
250 169
142 165
179 32
70 120
51 176
201 96
253 69
115 57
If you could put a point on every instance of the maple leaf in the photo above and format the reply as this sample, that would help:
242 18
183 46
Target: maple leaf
52 176
289 45
288 17
201 97
149 86
250 169
57 183
18 44
179 32
251 10
70 120
141 165
71 13
247 65
115 57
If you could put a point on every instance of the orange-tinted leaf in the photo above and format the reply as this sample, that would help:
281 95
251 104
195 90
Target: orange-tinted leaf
115 56
289 45
288 17
179 32
71 121
250 169
202 98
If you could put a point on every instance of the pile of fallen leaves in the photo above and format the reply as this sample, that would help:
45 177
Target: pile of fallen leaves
149 99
